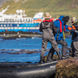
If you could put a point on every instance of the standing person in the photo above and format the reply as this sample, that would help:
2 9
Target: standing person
74 32
47 36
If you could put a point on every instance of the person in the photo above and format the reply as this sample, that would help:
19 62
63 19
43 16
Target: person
59 28
47 36
74 32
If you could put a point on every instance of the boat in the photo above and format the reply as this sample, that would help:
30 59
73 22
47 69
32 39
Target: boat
19 21
24 70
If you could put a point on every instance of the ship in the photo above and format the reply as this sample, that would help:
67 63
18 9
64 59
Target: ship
19 21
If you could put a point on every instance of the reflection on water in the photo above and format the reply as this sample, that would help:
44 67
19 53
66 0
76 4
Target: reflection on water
16 50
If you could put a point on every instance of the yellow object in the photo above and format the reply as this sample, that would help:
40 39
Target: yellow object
64 35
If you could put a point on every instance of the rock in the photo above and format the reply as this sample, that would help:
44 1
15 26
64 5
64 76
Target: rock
67 68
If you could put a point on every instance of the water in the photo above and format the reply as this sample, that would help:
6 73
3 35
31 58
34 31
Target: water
9 49
21 43
16 45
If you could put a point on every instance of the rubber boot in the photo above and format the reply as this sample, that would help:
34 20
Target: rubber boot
41 60
50 55
76 53
59 56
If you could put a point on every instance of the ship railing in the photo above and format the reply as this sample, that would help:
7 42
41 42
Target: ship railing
9 26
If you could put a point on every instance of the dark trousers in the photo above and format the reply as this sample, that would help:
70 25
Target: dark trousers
74 47
53 43
64 49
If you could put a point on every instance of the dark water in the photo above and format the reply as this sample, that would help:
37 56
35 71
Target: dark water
13 50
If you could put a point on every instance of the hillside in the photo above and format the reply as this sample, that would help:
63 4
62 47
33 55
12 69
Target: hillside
55 7
2 1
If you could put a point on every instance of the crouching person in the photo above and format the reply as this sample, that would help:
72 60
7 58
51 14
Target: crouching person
59 28
47 36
